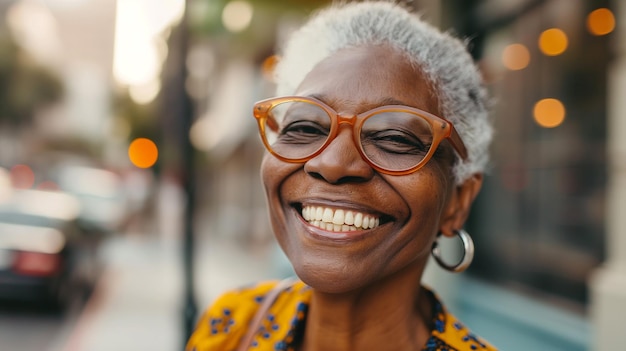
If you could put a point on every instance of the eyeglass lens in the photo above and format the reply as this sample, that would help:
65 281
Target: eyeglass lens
394 141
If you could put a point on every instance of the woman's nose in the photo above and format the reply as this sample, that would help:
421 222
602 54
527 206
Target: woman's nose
340 161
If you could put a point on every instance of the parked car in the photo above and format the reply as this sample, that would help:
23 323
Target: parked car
100 193
45 256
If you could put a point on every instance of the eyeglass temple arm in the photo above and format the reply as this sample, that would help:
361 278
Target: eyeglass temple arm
457 143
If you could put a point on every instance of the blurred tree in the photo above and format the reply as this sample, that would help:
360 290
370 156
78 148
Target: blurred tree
141 118
205 21
25 86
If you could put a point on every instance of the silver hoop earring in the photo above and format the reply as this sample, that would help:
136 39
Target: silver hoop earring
468 254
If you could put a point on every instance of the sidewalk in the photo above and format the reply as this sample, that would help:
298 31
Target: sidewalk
138 303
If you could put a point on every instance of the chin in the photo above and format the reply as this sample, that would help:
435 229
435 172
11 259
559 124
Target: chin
330 279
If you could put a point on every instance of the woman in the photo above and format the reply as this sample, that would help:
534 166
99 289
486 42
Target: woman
361 179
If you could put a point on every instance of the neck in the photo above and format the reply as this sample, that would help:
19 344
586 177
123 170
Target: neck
393 314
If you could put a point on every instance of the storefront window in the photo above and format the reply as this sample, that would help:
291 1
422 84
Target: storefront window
539 221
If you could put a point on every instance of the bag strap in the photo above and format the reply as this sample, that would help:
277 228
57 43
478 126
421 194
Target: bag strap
269 299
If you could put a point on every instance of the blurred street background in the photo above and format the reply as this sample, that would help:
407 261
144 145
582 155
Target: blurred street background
130 195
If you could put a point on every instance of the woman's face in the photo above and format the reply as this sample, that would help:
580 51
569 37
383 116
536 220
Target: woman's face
409 209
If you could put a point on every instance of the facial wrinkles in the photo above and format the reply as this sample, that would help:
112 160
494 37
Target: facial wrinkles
358 107
341 96
273 190
425 182
403 212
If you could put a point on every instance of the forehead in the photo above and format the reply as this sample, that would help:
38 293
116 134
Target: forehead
356 79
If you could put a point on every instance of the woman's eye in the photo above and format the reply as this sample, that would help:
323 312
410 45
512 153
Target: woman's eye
302 132
397 142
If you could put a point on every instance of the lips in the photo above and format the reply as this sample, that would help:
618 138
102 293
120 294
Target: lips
339 220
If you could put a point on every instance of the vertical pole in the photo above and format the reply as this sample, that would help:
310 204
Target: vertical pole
177 114
179 107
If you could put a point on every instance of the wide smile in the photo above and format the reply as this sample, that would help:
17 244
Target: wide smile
336 221
339 220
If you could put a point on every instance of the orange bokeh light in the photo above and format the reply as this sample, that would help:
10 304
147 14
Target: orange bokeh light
549 113
515 57
268 66
600 22
22 177
143 153
553 42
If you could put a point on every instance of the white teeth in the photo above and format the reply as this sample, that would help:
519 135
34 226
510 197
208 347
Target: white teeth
349 220
319 213
338 217
328 215
358 219
338 220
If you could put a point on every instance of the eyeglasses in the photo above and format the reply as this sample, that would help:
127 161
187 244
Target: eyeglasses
394 139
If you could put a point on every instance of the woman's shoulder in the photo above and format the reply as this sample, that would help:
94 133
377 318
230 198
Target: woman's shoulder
251 297
455 335
225 321
450 333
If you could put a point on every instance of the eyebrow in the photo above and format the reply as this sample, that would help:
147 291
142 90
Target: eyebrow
382 102
392 101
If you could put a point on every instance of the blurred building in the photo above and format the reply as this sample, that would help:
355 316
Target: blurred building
74 40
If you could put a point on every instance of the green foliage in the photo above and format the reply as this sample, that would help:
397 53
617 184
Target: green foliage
142 119
205 19
205 15
24 85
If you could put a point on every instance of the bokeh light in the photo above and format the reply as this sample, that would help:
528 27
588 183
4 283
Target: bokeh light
143 153
139 50
268 66
145 93
35 28
136 58
553 42
549 113
22 177
515 57
600 22
198 136
237 16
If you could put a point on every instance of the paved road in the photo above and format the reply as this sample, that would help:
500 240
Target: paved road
29 328
137 305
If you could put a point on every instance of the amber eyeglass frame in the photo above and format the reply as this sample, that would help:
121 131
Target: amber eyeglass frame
442 129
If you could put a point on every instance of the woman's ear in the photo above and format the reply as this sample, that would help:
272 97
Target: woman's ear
460 203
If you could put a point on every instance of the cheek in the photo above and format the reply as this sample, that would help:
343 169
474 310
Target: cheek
274 173
440 183
271 176
428 196
266 172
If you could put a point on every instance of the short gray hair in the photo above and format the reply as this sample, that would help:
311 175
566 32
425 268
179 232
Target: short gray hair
443 58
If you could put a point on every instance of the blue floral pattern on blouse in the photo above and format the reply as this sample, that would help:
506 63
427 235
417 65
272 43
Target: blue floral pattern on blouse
282 329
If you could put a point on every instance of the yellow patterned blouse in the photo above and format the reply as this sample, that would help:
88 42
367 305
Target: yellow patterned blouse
224 323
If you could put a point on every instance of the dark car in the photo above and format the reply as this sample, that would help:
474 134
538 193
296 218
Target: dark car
45 256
